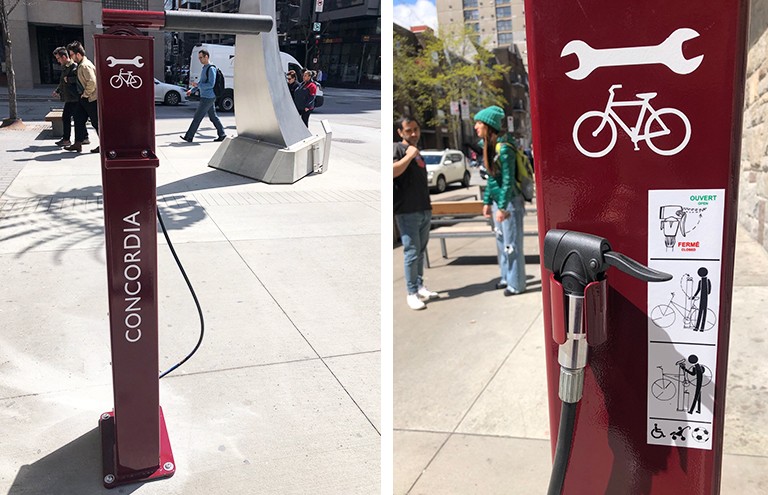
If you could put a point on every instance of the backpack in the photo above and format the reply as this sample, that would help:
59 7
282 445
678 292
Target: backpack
524 176
523 172
218 85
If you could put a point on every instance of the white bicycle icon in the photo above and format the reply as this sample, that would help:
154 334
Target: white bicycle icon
654 126
128 77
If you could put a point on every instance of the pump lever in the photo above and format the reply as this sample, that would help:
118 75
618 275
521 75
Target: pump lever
635 268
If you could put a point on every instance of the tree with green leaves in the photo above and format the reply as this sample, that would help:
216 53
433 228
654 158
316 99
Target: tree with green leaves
6 7
428 77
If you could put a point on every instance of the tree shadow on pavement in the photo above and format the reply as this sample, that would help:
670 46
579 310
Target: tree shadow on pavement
74 468
73 218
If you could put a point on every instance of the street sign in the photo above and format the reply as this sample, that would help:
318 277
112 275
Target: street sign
316 27
464 103
319 5
454 108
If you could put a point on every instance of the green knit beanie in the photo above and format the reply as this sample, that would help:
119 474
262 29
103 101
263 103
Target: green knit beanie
491 116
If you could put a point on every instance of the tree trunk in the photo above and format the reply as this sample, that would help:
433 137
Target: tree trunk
11 75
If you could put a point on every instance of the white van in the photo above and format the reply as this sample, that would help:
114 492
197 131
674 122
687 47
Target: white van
223 57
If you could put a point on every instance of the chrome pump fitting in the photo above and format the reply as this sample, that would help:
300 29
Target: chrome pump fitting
577 259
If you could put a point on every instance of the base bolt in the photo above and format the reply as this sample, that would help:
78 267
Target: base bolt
144 153
112 154
109 479
168 466
105 416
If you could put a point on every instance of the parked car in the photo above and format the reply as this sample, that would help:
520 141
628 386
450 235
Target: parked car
169 94
445 167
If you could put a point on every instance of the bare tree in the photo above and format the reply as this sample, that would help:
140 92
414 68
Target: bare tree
6 7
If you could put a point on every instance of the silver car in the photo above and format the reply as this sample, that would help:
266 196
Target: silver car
445 167
169 94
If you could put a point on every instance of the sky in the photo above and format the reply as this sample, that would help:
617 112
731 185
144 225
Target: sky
409 13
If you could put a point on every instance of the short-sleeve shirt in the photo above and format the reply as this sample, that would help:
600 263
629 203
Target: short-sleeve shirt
411 188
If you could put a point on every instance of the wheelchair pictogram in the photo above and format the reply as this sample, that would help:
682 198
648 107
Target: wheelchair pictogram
598 126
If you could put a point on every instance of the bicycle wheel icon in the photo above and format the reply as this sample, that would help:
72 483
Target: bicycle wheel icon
663 389
600 138
116 81
656 127
663 315
134 82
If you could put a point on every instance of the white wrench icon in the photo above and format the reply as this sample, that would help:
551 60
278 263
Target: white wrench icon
125 61
669 53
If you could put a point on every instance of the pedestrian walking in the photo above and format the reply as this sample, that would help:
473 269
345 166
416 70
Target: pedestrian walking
67 93
413 210
207 105
88 107
503 200
290 77
304 97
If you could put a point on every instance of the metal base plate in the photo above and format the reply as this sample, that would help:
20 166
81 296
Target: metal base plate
115 475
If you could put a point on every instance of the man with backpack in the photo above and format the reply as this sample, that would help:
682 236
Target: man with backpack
206 84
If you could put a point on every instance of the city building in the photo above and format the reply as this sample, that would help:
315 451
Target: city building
498 23
343 40
346 46
37 28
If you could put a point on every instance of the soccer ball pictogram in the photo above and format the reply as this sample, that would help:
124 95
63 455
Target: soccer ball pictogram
700 434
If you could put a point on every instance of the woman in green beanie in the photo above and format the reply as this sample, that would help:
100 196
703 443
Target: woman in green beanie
502 198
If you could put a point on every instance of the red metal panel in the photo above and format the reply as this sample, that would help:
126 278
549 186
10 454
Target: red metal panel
127 137
608 196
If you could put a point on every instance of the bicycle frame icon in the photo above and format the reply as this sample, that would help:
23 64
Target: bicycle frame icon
125 77
664 315
672 385
654 127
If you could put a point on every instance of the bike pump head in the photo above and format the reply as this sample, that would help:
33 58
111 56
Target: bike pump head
578 263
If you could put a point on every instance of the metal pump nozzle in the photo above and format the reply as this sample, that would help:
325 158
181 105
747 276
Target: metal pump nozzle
576 260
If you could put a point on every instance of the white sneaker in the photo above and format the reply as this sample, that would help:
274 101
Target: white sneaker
414 302
426 294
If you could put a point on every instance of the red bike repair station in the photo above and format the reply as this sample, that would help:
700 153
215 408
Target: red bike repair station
135 442
636 112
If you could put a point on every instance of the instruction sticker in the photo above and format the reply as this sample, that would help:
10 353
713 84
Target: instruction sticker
685 238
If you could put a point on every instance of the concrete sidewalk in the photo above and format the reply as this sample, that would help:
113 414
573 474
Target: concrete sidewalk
283 395
470 396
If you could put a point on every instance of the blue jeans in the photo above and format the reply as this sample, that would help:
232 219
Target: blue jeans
509 244
414 232
206 106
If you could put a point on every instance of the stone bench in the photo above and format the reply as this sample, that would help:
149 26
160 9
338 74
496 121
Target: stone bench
55 117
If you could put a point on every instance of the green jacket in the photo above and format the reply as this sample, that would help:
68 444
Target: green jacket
501 187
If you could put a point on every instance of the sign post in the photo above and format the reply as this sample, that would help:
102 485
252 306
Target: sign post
641 105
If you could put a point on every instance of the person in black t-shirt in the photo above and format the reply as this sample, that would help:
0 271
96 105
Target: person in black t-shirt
413 211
